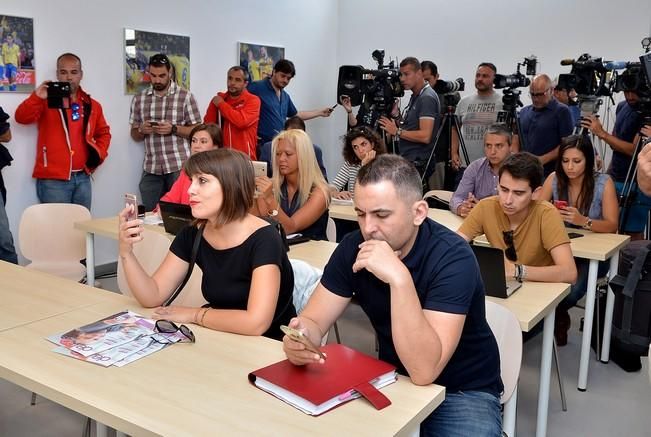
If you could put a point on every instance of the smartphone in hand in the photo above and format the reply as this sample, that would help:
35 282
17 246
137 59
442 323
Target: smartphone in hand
560 204
131 200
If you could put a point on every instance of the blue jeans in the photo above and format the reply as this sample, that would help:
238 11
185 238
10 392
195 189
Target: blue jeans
77 190
155 186
580 288
7 250
465 413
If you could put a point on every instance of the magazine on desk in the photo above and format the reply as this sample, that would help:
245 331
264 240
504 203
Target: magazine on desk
114 340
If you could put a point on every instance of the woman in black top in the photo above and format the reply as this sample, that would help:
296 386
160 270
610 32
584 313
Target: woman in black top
247 278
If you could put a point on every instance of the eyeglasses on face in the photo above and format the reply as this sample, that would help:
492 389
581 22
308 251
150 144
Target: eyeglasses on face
510 252
75 111
168 327
539 94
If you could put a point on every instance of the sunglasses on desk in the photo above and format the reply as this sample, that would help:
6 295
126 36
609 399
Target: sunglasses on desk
510 252
168 327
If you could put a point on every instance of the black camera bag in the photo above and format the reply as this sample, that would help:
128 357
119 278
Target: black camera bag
632 288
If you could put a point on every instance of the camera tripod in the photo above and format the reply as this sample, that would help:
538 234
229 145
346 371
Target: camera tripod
509 113
629 191
448 122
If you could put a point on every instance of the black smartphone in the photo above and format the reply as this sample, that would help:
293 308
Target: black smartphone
58 95
574 235
334 106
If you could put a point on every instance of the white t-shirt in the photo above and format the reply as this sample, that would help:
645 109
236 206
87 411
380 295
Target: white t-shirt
477 113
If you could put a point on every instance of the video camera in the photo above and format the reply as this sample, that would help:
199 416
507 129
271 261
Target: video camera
637 78
517 79
375 89
448 87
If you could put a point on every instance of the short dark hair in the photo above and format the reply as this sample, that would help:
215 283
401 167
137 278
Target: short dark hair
69 55
239 68
524 165
213 130
285 66
489 65
294 122
371 135
395 169
429 65
234 171
410 60
499 129
160 60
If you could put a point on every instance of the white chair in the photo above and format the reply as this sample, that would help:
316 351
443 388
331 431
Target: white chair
48 239
506 329
331 230
150 253
442 196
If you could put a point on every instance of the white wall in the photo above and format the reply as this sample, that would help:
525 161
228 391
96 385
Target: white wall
94 30
319 35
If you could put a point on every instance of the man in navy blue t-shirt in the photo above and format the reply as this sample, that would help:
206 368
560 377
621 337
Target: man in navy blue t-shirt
420 286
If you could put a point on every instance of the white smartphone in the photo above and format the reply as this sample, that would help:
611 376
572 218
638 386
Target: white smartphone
298 336
259 168
131 200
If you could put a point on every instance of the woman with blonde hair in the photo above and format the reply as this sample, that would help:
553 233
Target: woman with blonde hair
297 196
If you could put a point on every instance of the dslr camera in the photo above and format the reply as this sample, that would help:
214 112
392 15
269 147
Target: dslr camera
58 95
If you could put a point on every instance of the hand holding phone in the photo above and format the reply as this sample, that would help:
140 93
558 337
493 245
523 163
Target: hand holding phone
299 337
560 204
153 123
131 201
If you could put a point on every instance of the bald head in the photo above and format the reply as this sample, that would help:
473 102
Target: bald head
541 91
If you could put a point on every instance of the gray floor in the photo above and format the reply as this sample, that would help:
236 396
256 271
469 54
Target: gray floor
616 403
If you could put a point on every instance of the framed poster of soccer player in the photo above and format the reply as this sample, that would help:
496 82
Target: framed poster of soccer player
16 54
259 59
139 46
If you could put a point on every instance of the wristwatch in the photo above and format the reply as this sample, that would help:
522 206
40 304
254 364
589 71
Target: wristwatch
588 224
273 213
174 129
399 131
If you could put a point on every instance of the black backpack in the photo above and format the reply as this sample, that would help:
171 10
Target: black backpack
632 288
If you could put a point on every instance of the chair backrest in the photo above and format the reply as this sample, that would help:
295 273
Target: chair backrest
442 195
150 253
331 230
506 329
46 233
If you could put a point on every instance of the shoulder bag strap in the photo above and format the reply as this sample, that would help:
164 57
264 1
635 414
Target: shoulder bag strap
193 259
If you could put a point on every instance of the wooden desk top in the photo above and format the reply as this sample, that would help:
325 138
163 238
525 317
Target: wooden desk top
592 246
108 227
315 253
26 295
190 389
533 301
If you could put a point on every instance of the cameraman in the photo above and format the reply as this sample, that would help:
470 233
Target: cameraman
626 134
543 123
442 147
476 113
416 132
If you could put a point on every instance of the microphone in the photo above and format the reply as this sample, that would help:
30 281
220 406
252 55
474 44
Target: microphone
615 65
567 61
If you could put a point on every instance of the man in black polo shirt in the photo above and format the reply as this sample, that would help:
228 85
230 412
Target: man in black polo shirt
420 286
416 130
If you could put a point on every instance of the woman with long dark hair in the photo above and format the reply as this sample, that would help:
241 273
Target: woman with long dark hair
585 199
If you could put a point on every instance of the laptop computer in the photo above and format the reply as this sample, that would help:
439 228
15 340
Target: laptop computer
491 267
175 216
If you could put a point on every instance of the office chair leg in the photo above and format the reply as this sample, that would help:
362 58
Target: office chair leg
33 402
337 333
560 379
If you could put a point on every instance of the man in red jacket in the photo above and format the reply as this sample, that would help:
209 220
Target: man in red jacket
71 142
237 112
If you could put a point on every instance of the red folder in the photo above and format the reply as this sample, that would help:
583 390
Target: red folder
317 388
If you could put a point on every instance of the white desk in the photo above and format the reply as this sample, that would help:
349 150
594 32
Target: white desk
185 390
